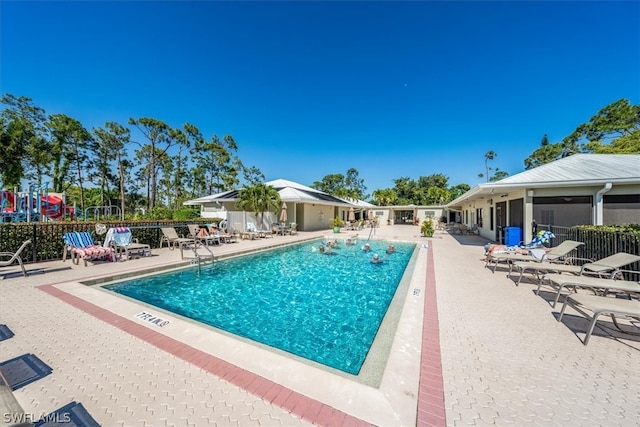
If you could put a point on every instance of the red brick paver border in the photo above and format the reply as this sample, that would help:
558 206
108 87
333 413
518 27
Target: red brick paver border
431 411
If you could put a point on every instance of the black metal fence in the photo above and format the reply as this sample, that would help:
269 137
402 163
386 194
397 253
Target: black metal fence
597 243
46 237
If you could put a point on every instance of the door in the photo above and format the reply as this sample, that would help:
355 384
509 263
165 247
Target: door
501 221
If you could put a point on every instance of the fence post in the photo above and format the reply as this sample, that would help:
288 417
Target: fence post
34 242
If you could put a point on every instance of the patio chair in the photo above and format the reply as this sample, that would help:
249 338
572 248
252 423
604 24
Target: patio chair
605 266
121 239
598 285
15 256
554 255
80 245
293 228
171 238
602 305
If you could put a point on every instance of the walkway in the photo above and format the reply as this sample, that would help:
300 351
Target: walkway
504 357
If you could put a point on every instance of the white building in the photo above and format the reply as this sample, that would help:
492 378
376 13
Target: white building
593 189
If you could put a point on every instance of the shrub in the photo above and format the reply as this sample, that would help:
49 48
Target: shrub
185 213
427 228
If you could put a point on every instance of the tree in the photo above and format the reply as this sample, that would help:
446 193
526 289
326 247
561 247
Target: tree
457 191
427 190
258 198
159 140
216 162
498 175
114 139
385 197
545 154
614 129
69 147
176 171
350 186
405 188
489 155
23 147
252 175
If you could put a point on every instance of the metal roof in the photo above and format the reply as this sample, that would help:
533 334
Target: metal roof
581 167
289 192
573 171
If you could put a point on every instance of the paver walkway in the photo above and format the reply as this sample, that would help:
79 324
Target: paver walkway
505 359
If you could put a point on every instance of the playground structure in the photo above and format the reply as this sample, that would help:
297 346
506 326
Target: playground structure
34 205
97 213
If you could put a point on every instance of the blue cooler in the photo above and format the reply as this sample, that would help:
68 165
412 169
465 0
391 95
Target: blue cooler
512 236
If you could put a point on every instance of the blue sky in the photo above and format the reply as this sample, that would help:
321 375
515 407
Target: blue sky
393 89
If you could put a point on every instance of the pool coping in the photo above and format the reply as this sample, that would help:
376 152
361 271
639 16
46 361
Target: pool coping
393 403
372 368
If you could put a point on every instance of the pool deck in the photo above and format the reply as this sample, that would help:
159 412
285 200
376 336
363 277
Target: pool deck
487 352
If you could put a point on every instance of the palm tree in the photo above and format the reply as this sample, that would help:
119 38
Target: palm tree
258 198
386 196
489 155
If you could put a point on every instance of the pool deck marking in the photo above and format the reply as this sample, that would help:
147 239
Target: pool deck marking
298 404
431 410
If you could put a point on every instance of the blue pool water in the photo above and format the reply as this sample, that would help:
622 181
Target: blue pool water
325 308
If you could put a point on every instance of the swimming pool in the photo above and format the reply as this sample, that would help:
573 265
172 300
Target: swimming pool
325 308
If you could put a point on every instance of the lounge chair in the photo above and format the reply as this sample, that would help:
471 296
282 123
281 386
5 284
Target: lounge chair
596 284
251 228
206 239
15 256
602 267
249 232
80 245
170 236
554 255
121 239
601 305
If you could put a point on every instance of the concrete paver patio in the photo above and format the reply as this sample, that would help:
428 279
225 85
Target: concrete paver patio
501 356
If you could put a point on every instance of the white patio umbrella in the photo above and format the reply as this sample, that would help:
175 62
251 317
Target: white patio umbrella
370 214
283 213
352 214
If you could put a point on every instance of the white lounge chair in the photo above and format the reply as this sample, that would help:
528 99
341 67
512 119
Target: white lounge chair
15 256
602 305
596 284
554 255
170 236
121 239
207 239
602 267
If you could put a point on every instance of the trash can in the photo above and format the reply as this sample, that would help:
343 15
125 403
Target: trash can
512 236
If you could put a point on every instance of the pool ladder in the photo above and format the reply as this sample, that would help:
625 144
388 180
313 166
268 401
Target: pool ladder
198 258
373 231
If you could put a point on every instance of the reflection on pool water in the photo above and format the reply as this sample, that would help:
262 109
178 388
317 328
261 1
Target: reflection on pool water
326 308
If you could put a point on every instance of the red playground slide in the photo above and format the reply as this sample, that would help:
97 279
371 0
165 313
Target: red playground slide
7 198
52 206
